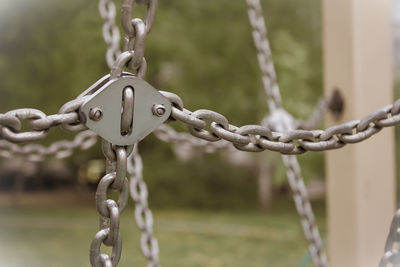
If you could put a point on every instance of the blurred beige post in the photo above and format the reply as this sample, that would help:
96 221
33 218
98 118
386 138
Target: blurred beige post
360 177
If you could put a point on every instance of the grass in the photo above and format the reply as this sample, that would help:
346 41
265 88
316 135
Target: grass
60 236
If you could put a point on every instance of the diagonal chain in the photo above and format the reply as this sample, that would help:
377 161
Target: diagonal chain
293 170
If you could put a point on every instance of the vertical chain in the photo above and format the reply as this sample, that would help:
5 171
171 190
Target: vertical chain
293 170
109 209
143 215
135 37
111 34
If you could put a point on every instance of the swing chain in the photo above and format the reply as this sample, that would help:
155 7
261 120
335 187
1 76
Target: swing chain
109 209
143 214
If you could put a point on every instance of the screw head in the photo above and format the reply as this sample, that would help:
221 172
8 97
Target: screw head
95 114
159 110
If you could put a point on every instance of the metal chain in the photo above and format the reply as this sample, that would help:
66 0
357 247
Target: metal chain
247 138
392 247
143 215
285 122
109 209
264 54
303 206
39 122
135 37
255 138
59 149
110 30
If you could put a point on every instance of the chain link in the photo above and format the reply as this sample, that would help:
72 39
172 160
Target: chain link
143 214
111 34
133 58
392 247
281 120
59 149
109 209
303 206
39 123
264 54
258 138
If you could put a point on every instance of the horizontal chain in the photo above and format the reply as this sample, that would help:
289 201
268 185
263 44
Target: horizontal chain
39 123
59 149
254 138
251 138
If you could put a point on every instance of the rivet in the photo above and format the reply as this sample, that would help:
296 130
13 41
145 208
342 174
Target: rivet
95 114
158 110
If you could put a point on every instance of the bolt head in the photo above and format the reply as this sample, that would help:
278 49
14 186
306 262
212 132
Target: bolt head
95 114
159 110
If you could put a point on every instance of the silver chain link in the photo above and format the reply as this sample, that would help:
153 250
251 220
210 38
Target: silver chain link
40 123
59 149
111 35
305 211
135 36
143 215
264 54
247 138
109 209
255 138
293 170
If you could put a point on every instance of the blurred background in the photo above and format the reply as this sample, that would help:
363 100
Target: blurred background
209 209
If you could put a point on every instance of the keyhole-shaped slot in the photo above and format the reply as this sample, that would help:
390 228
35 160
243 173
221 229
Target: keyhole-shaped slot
127 110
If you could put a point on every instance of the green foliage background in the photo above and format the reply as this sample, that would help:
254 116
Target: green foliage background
52 50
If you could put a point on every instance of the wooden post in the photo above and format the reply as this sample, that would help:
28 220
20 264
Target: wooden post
360 177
